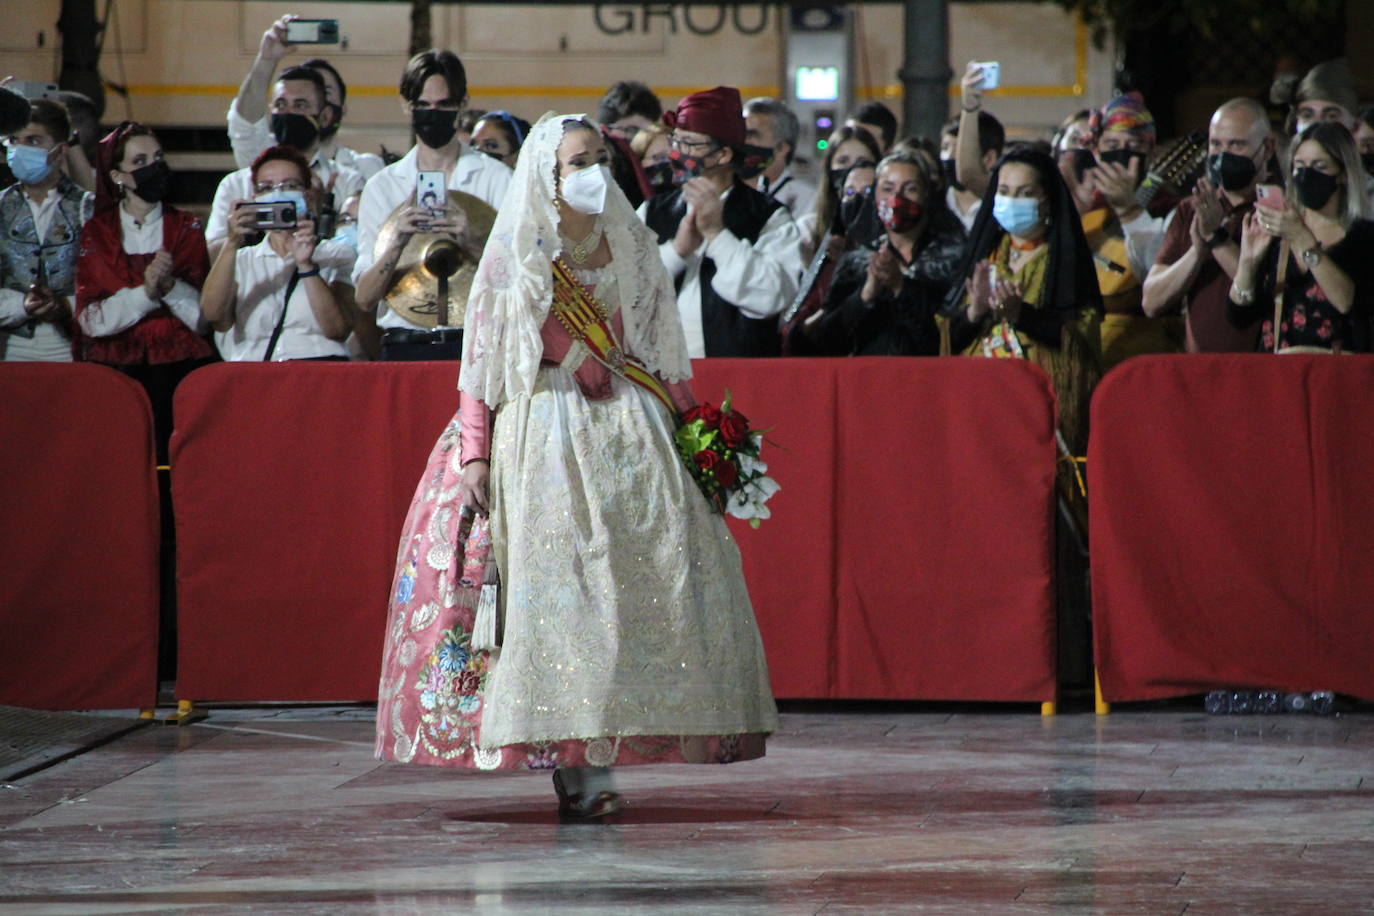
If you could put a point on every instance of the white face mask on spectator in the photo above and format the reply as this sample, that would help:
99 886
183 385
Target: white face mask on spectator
585 189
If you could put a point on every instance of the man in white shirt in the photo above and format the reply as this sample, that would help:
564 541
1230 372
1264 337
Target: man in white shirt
734 253
963 201
40 227
250 130
768 122
434 89
299 112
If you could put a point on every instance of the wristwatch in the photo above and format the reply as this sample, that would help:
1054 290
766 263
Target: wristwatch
1312 256
1218 238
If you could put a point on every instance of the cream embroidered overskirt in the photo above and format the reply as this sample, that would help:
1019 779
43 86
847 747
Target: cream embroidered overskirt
625 608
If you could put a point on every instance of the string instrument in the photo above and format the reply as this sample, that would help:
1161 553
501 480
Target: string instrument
815 283
1176 171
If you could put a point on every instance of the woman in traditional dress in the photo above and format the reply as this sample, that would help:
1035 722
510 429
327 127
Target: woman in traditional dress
139 275
1031 290
621 631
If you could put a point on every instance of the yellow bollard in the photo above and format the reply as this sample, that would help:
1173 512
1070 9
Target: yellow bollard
186 714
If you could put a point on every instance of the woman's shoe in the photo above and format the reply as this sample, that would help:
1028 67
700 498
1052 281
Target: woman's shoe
579 807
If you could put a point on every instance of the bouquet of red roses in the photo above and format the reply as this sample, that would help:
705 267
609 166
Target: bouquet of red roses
722 454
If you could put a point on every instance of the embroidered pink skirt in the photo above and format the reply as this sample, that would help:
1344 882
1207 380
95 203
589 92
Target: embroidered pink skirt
435 685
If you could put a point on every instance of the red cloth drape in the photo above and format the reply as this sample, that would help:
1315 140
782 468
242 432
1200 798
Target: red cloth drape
1232 524
79 513
290 483
876 577
945 537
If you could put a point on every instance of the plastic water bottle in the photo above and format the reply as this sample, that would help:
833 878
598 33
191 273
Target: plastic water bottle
1242 702
1268 702
1323 702
1298 703
1217 703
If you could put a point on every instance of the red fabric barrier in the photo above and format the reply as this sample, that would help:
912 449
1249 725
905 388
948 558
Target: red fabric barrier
291 483
944 542
1231 524
79 568
789 558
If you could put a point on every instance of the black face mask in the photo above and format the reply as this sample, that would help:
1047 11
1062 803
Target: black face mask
1368 160
660 176
1123 157
435 127
1313 188
327 133
685 167
752 161
837 177
1231 172
851 207
1083 159
864 229
297 131
152 182
951 171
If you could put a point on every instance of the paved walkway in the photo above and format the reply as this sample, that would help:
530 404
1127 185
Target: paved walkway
1141 812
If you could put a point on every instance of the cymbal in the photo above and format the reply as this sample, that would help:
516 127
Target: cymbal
431 260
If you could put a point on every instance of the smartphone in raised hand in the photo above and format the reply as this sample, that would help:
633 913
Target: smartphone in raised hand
312 32
992 73
431 193
1269 196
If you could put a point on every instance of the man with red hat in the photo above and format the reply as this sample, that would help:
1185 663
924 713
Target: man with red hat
734 253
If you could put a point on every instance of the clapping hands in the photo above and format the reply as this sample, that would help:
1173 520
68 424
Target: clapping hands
157 276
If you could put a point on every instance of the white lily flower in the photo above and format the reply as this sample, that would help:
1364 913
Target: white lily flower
749 465
748 501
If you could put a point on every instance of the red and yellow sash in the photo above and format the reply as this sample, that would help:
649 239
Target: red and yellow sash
586 320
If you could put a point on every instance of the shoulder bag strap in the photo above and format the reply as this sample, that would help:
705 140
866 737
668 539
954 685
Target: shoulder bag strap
1280 283
281 319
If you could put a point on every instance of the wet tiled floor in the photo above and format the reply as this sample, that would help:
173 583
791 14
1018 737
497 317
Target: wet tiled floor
865 812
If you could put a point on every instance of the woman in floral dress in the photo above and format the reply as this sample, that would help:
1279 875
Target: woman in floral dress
615 627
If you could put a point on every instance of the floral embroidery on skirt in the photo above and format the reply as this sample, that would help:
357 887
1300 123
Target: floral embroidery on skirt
435 685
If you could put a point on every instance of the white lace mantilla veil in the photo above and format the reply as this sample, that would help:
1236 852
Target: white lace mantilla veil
514 285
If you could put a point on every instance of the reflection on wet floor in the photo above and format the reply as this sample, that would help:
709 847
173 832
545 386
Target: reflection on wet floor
286 811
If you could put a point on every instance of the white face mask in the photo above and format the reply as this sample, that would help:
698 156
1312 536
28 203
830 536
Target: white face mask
585 189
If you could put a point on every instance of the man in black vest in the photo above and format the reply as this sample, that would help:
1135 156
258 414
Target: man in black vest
734 254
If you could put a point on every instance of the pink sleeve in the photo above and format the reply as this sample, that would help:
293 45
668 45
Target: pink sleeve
476 428
681 393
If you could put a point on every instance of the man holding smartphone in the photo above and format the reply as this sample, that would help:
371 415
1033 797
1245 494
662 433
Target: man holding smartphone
434 89
250 129
300 116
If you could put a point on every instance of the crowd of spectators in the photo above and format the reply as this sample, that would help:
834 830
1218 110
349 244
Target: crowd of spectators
1048 250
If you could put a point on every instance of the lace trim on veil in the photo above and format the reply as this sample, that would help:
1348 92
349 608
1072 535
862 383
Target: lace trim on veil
514 285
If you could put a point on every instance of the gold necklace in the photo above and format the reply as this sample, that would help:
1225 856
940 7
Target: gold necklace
581 251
